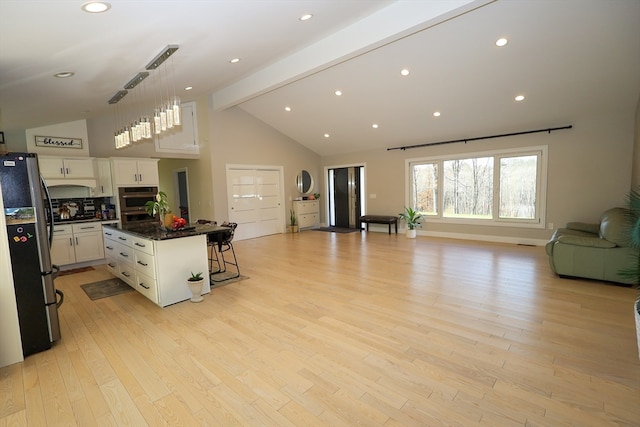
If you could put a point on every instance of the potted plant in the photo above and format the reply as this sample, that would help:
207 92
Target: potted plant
293 227
161 207
411 217
195 285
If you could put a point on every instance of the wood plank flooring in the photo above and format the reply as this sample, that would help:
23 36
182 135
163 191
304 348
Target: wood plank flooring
339 330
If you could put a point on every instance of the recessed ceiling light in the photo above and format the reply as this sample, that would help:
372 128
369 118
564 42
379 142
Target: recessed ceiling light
326 135
287 108
64 74
95 6
188 88
501 42
519 98
338 93
404 72
375 126
235 60
436 114
306 17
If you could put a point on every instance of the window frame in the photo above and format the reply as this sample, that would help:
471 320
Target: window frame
541 151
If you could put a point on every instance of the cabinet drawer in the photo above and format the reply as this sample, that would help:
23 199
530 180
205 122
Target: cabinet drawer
142 245
109 233
145 264
127 274
59 230
85 228
307 207
112 265
110 249
124 254
308 220
147 287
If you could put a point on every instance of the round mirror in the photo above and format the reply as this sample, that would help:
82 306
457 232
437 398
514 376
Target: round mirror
304 181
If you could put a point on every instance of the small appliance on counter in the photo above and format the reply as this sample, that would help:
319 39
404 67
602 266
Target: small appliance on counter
26 213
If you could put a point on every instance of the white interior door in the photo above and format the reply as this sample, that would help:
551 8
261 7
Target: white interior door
255 201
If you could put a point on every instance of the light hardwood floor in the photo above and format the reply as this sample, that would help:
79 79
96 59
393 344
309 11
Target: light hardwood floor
340 330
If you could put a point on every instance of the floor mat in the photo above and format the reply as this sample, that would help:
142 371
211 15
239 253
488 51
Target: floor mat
338 229
75 270
105 288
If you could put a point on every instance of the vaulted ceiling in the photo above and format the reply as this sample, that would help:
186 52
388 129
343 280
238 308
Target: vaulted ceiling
570 59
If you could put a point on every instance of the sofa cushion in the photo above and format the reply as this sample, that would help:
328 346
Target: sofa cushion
582 226
614 226
593 242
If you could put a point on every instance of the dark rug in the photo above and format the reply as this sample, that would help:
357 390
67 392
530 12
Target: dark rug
75 270
338 229
105 288
222 280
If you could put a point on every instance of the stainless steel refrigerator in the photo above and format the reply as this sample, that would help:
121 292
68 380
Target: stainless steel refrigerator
27 207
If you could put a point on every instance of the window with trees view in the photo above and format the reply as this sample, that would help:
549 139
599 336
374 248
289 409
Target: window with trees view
505 187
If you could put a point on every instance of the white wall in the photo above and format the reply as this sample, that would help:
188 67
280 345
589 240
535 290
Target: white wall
76 129
10 342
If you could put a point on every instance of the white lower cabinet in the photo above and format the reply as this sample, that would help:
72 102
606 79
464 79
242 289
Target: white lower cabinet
73 243
307 213
150 267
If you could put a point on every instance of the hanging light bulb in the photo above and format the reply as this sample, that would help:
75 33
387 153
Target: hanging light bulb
169 110
157 126
177 111
163 119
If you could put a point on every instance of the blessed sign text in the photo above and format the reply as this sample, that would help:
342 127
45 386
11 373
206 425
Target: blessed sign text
54 141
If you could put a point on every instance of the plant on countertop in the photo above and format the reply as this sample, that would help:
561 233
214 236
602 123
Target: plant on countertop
159 206
411 217
195 277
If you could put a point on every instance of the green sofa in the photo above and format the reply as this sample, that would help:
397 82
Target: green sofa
593 251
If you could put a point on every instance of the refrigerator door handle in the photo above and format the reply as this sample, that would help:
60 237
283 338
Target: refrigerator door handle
51 222
61 300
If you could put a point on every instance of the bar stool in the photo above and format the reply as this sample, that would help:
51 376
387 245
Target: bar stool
226 246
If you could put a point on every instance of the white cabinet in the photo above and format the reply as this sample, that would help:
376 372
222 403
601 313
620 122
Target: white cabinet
70 168
132 172
181 139
104 187
307 213
150 267
73 243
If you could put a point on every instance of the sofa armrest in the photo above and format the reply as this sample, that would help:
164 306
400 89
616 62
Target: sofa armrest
593 242
583 226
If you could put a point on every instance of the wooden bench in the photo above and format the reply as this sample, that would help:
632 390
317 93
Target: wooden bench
380 219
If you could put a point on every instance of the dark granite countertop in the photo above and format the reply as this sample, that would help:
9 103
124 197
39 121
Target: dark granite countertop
153 232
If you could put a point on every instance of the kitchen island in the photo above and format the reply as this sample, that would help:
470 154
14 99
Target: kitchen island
158 263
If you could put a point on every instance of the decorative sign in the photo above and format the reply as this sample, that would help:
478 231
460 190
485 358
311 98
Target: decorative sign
57 142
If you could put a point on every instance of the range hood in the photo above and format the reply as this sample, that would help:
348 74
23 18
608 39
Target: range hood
66 182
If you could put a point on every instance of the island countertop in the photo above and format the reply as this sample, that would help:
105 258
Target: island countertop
153 232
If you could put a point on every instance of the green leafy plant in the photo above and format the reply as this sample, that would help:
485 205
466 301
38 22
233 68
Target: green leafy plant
159 206
633 235
411 217
316 195
292 217
195 277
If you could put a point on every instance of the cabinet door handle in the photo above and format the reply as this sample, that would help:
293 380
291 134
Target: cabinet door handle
109 247
142 263
140 244
87 228
67 170
122 238
140 177
111 265
144 286
61 171
76 241
70 242
124 255
108 234
125 274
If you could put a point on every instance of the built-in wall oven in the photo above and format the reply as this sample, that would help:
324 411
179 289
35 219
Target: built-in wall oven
132 201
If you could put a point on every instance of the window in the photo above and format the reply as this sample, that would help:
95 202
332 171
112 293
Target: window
497 188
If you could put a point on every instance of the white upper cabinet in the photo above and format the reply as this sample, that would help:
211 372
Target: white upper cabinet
181 139
61 167
133 172
104 187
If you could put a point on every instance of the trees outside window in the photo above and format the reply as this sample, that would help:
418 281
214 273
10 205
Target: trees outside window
501 187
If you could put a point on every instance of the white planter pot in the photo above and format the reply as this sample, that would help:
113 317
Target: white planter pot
196 290
636 310
411 234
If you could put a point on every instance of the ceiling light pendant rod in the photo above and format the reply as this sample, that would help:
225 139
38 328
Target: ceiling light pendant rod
465 140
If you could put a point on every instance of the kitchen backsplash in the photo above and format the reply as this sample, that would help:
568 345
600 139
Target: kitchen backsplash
88 206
